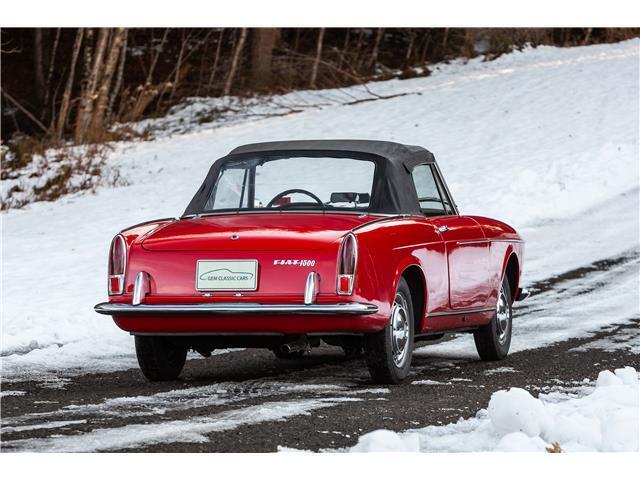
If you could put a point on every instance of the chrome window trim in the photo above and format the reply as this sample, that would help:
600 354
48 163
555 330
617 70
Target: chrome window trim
452 204
280 211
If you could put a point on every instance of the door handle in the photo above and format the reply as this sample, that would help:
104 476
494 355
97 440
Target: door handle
443 228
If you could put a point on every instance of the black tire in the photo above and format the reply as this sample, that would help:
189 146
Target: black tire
288 356
493 340
379 346
159 358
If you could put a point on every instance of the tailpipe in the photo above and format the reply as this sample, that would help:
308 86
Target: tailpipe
300 344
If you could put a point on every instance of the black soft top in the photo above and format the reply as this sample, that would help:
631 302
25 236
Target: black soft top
393 189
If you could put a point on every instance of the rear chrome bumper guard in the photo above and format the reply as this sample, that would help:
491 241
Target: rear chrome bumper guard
353 308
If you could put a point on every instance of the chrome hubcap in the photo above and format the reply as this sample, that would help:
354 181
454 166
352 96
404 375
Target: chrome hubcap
399 330
503 317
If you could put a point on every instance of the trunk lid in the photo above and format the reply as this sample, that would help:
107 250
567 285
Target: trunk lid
254 232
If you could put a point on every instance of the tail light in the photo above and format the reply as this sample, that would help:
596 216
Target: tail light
117 265
347 261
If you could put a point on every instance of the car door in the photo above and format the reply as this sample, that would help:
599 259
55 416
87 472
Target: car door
467 249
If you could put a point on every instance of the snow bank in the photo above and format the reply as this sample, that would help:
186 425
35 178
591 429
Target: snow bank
545 139
604 419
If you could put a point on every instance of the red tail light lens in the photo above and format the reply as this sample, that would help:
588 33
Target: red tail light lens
117 265
347 262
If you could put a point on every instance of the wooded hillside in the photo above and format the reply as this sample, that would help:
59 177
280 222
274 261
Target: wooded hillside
61 84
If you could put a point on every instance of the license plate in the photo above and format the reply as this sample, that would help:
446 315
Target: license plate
227 275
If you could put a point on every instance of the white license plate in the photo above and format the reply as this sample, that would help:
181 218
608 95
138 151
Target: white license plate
227 275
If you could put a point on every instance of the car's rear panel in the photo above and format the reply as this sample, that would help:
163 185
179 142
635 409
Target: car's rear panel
286 247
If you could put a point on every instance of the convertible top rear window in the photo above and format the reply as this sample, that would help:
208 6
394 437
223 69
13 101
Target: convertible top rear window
292 182
361 175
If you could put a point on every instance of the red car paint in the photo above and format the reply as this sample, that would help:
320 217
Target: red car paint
461 261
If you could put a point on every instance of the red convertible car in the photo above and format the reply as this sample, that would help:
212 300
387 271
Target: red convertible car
286 244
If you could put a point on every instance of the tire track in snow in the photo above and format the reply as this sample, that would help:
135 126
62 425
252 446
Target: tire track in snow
192 430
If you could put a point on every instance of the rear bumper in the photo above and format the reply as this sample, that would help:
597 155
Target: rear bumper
246 318
353 308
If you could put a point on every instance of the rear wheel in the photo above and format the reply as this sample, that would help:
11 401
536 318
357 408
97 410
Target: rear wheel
388 353
159 358
493 340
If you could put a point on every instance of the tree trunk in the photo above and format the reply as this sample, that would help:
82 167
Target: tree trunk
154 59
89 95
216 59
178 67
119 77
102 94
316 61
234 62
66 97
262 45
407 57
52 61
376 47
37 63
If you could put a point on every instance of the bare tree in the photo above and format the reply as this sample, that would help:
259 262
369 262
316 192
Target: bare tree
235 60
52 62
216 58
262 45
89 94
102 93
66 97
38 63
119 76
376 47
316 61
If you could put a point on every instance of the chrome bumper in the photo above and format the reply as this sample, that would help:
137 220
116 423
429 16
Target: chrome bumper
353 308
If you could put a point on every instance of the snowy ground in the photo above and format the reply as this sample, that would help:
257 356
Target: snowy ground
545 139
601 418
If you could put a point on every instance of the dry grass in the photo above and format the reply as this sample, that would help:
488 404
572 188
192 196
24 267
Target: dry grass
36 175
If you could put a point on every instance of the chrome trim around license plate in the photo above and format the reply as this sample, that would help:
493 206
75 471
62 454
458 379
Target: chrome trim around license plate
353 308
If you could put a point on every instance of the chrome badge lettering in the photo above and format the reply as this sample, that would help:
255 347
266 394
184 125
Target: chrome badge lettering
295 263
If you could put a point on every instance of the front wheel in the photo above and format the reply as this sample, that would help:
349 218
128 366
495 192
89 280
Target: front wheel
493 340
159 358
388 353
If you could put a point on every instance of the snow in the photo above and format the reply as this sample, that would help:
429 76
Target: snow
192 430
603 418
429 382
545 139
12 393
626 339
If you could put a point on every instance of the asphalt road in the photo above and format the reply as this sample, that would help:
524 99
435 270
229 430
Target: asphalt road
327 400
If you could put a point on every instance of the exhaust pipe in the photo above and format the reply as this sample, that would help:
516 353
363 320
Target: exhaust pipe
300 344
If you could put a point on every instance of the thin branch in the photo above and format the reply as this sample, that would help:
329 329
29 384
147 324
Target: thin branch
24 110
